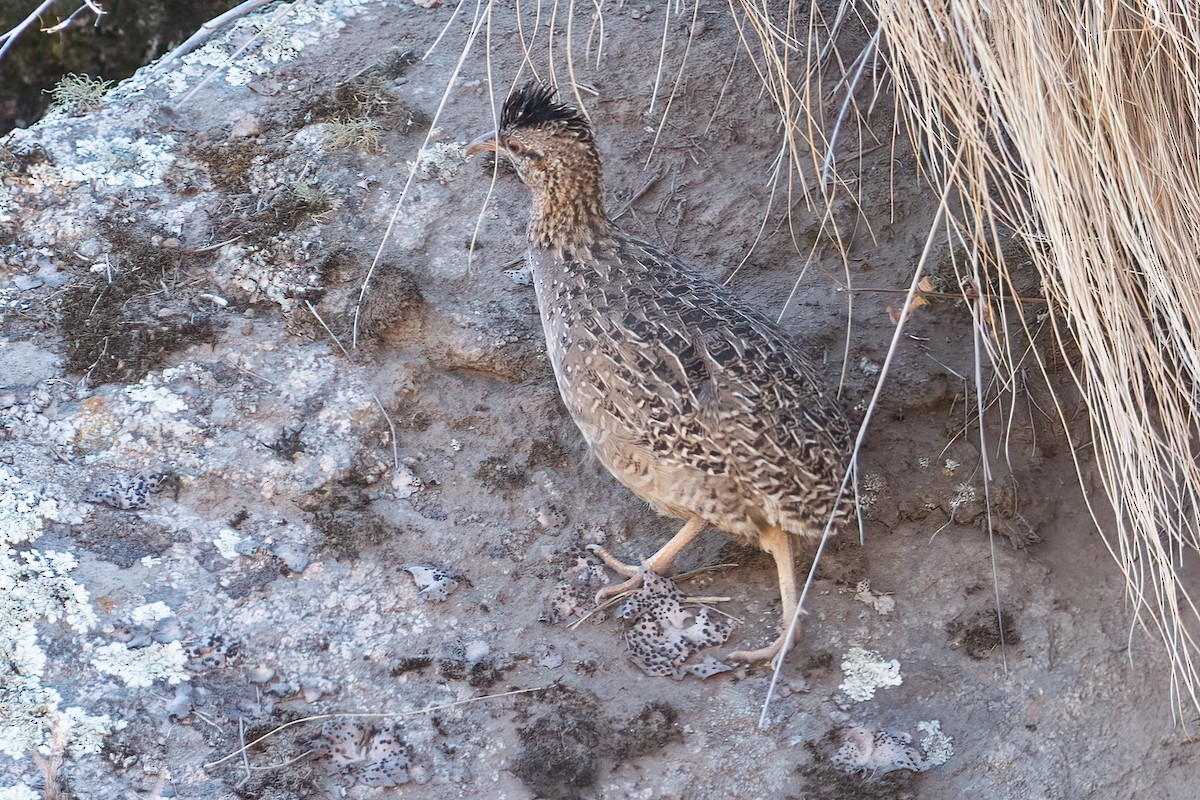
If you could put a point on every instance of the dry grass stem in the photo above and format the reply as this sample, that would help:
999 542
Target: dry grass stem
376 715
1077 127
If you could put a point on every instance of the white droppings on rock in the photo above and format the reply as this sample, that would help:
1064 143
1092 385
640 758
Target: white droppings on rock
405 483
664 633
434 583
476 651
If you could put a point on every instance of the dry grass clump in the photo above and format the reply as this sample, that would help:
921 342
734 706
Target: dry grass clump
78 94
354 132
1077 126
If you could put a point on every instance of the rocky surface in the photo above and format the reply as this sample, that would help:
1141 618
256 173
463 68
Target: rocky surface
231 507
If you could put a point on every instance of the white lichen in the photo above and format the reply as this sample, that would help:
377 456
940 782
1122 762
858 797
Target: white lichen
8 206
883 603
36 586
864 672
85 732
964 493
150 613
19 792
938 746
112 161
440 162
140 667
160 397
22 511
274 37
226 543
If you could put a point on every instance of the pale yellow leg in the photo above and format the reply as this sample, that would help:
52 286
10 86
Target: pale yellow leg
779 544
662 562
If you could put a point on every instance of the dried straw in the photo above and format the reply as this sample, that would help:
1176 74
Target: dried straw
1076 126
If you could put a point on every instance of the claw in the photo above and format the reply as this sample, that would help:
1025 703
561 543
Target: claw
613 563
773 652
620 588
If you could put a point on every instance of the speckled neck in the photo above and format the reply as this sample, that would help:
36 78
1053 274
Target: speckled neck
568 206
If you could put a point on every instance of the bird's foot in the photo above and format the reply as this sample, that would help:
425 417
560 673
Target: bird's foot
771 652
632 584
614 563
634 574
774 652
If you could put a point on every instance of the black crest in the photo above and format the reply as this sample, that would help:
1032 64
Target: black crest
533 105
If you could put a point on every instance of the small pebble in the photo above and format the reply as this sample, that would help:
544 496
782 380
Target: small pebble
247 126
25 282
260 675
476 651
311 693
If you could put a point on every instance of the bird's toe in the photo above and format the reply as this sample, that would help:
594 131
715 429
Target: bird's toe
614 563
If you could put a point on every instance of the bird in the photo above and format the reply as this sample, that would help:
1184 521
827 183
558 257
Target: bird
692 399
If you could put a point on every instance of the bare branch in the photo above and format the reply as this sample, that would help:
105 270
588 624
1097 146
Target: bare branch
10 38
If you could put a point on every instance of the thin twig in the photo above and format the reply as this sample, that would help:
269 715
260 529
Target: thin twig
949 295
212 28
382 409
66 23
375 715
647 186
216 246
245 750
11 37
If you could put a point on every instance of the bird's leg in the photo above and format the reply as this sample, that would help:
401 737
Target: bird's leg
779 544
662 562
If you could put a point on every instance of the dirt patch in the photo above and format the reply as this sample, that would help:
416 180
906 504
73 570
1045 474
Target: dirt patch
560 755
982 633
120 323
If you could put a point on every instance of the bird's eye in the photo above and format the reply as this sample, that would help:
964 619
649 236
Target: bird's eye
515 147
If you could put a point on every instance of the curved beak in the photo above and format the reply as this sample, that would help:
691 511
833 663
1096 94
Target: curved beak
486 141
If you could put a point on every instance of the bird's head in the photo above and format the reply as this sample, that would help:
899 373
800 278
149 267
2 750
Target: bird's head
553 149
545 140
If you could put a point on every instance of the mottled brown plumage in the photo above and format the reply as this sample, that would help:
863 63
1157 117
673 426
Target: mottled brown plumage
693 400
